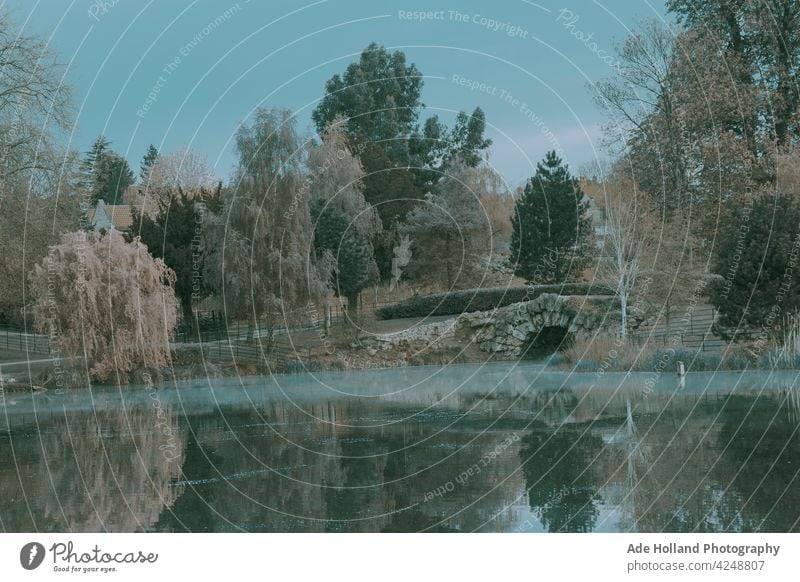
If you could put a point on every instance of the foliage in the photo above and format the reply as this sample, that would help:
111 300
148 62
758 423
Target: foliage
377 103
390 189
436 148
183 168
759 42
700 109
349 249
759 243
111 177
470 300
98 296
344 221
497 202
336 177
380 98
259 245
450 233
551 228
28 224
148 161
174 236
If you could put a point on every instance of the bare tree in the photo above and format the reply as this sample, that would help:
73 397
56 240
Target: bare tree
183 168
630 232
33 101
646 122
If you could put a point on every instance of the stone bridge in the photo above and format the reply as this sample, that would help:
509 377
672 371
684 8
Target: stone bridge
506 331
510 329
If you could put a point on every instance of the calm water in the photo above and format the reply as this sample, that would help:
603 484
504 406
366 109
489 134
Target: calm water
463 448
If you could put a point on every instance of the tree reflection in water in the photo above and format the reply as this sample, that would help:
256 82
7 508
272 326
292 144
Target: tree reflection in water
578 460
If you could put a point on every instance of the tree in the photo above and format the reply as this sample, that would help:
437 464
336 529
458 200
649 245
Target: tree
90 160
34 102
758 246
551 231
389 189
450 233
259 245
497 202
28 225
380 98
148 161
112 176
37 173
674 274
632 230
175 236
467 140
701 109
109 300
760 43
183 168
646 120
337 177
437 147
339 240
377 101
344 222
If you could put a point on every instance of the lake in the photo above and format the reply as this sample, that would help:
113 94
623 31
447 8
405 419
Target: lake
493 448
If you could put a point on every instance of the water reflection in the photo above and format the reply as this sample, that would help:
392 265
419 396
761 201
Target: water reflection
476 450
108 471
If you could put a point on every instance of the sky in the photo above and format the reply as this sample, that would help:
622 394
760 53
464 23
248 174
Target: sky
189 72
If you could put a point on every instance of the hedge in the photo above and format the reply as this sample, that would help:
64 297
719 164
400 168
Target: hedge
469 300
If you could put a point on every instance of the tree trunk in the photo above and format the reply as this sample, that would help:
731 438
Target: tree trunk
352 303
668 310
252 324
189 321
623 299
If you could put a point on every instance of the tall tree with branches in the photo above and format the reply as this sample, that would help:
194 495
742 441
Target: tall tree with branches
259 246
34 103
551 230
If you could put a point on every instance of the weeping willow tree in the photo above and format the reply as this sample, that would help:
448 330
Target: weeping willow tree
105 299
259 245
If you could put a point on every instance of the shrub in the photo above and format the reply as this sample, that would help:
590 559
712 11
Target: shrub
299 367
469 300
605 354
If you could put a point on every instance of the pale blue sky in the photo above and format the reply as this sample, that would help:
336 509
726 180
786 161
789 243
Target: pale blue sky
532 57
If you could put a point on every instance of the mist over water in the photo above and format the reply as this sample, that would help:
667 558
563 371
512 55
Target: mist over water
498 447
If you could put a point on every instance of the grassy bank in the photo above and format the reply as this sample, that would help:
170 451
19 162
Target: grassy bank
604 354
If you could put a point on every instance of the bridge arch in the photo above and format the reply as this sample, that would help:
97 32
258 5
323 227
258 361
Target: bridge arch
508 330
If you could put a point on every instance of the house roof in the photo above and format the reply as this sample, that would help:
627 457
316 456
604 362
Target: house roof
120 215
